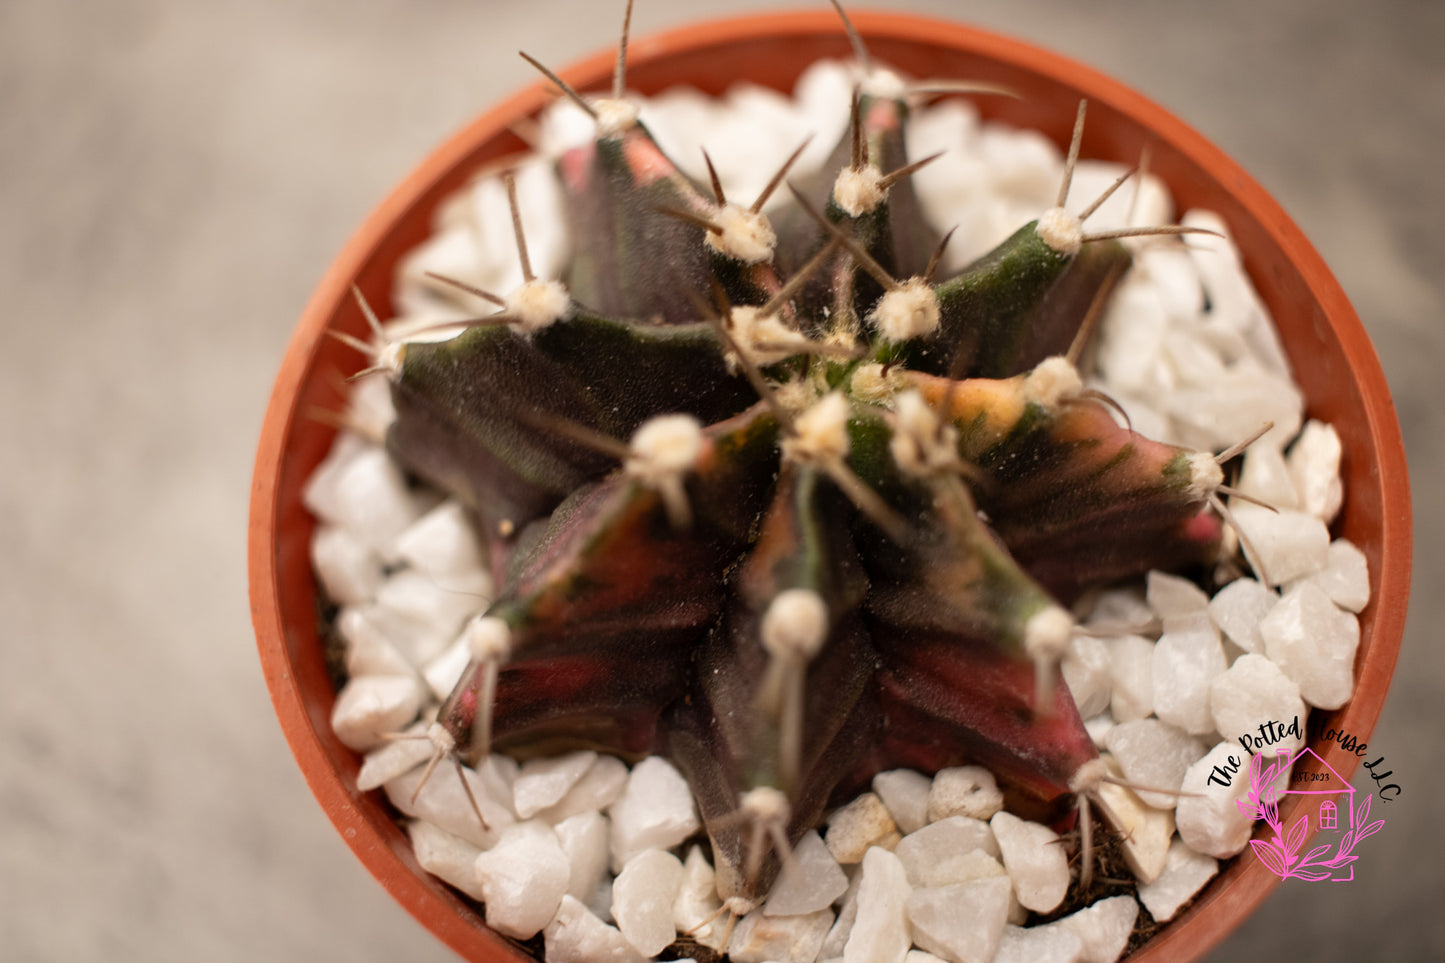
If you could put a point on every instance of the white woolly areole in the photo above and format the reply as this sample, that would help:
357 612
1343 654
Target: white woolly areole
1053 380
614 116
1205 475
1061 231
489 639
738 905
1088 776
389 359
664 447
795 395
795 625
1046 634
763 339
538 304
884 84
765 804
908 311
858 191
921 444
441 740
745 235
869 383
821 432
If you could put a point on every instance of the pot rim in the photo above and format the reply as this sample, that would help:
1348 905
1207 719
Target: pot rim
289 652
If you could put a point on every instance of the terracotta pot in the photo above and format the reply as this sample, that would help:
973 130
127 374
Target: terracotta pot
1332 356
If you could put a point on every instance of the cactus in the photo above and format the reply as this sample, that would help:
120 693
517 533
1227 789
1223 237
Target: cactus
766 496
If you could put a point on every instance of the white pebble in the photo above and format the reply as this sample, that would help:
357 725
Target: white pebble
1345 577
523 879
811 880
1185 873
964 791
443 801
1252 692
1186 660
880 933
369 650
1170 595
905 794
655 811
1035 860
370 499
1237 609
1132 341
1266 476
1291 544
544 781
575 935
856 826
600 902
1038 944
444 672
922 956
393 758
1314 642
440 603
371 706
1086 671
1131 663
697 903
1233 301
1208 820
445 856
1233 406
1022 163
418 642
1171 272
1314 465
442 542
1144 831
945 869
598 788
349 570
940 853
369 410
642 899
584 839
319 492
1122 609
837 938
963 922
1098 728
1103 928
759 938
1153 753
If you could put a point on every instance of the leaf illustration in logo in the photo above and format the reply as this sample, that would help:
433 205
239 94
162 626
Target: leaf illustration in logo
1369 830
1270 856
1296 836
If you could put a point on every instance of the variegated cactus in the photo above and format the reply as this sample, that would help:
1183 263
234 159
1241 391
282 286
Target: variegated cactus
765 495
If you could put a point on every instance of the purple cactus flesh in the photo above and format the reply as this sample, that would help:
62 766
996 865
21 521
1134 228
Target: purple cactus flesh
860 554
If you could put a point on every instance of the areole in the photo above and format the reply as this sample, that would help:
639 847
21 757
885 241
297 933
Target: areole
1343 383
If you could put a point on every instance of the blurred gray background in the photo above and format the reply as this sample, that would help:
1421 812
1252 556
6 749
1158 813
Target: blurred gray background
174 179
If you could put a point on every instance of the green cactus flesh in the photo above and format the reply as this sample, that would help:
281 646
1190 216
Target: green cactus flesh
865 560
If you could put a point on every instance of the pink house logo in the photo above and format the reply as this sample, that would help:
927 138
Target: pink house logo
1330 800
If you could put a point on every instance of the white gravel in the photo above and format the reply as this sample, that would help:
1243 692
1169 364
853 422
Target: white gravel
931 867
